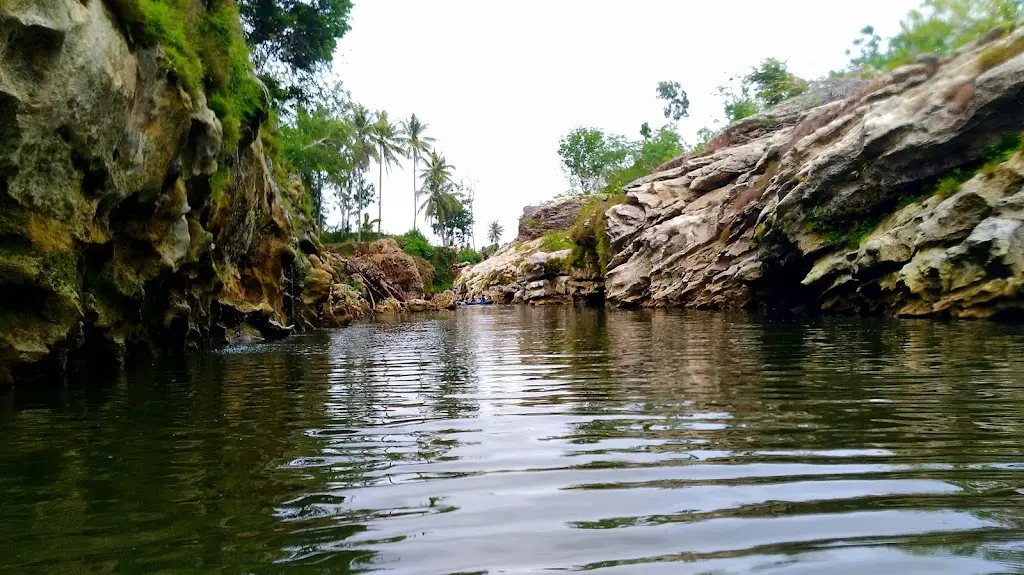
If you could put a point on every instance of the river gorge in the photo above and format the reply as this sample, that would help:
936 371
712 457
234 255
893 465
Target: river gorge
518 439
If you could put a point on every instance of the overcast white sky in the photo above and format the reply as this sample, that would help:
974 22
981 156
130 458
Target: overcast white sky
500 82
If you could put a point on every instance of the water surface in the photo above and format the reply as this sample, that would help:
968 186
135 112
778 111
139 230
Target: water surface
517 440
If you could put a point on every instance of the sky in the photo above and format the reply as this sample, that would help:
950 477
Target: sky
499 83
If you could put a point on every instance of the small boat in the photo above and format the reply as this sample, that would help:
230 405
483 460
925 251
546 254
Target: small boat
476 302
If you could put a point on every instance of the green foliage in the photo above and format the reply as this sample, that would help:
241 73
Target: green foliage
218 184
704 137
677 103
937 27
847 236
495 230
317 145
489 251
768 84
588 156
950 184
773 83
415 243
444 206
442 259
532 223
993 156
591 250
292 41
596 161
206 51
557 266
419 144
556 241
739 103
468 255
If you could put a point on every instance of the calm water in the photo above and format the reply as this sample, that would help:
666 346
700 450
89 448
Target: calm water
517 440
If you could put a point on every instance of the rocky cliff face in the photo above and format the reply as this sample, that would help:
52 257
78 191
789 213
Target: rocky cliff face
525 273
126 228
901 195
554 216
841 203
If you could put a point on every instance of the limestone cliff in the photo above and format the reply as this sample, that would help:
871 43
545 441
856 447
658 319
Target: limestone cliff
526 273
126 228
901 195
854 204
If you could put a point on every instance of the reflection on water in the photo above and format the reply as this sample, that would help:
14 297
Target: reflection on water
520 439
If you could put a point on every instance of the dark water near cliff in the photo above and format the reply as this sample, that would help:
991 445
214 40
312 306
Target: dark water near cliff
516 440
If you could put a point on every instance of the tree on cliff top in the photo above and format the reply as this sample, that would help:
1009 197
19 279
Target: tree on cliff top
595 161
291 40
937 27
494 232
677 103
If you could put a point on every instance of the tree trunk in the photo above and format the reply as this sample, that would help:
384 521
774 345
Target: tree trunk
415 157
380 189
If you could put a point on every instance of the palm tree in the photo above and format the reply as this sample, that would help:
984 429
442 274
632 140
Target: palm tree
441 202
364 150
494 231
390 143
413 130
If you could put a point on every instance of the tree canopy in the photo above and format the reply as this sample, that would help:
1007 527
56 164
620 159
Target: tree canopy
291 40
677 103
937 27
595 161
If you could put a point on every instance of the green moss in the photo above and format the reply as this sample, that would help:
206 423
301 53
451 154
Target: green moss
556 241
950 184
556 266
848 235
591 250
532 223
205 50
218 184
996 55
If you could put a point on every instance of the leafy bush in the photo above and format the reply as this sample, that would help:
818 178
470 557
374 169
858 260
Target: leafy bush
937 27
773 83
489 251
556 241
468 255
341 237
413 242
442 259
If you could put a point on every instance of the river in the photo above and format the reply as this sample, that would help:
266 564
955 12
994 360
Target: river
517 440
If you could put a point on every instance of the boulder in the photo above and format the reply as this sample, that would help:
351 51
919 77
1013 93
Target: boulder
555 216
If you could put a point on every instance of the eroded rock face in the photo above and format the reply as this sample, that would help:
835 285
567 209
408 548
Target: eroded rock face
801 206
524 273
554 216
94 199
125 229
